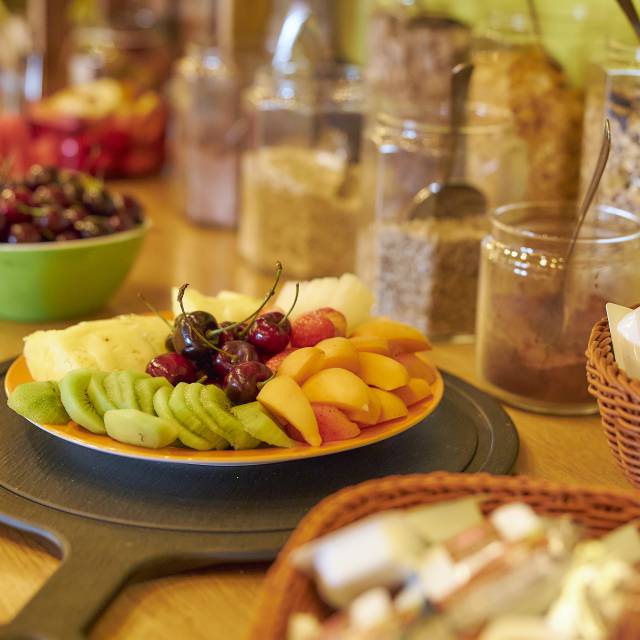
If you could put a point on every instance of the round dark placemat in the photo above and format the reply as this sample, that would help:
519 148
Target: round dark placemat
128 513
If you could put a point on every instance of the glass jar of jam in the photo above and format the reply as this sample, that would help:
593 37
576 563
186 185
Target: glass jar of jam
536 311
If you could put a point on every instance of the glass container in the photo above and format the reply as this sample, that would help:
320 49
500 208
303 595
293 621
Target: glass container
541 85
301 175
412 47
535 315
142 56
613 92
208 134
425 272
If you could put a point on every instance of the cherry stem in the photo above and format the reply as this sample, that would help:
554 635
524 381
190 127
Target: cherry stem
202 380
254 315
295 300
154 311
191 324
259 385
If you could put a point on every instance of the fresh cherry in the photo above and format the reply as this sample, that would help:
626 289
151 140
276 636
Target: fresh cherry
51 218
269 336
23 232
190 336
228 335
241 383
233 353
174 367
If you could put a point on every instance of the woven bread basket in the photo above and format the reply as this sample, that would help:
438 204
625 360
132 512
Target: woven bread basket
618 401
287 591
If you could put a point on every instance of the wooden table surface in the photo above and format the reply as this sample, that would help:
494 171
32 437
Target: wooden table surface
218 603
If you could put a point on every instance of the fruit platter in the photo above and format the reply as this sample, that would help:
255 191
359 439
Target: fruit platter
231 380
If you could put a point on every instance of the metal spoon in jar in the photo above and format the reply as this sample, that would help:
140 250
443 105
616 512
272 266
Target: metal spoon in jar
632 15
537 32
589 195
450 198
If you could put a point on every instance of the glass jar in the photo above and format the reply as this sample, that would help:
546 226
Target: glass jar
208 134
613 92
535 314
541 86
142 56
300 175
425 272
412 46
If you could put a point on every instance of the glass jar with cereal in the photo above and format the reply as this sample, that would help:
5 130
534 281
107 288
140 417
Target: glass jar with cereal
301 175
425 271
613 92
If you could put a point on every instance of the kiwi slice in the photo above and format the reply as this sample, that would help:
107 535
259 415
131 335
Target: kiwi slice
74 396
190 420
136 427
145 389
258 423
39 402
227 423
120 388
98 394
188 439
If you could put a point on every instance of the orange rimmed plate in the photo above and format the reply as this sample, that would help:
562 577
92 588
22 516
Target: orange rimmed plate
19 373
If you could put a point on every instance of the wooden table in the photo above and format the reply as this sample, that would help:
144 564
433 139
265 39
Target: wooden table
218 603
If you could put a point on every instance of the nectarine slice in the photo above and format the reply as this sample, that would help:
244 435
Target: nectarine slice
392 406
370 417
333 423
340 353
402 337
371 344
338 387
417 389
301 363
283 397
417 367
382 372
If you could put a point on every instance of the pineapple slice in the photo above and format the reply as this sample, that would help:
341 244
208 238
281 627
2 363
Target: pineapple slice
226 306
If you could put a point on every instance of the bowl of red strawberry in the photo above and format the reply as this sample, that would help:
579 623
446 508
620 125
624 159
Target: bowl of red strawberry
66 244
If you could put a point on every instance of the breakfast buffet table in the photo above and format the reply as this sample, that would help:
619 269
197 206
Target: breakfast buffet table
218 602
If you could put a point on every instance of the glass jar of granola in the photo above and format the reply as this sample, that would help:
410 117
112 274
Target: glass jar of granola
613 92
541 83
425 271
535 312
300 174
412 47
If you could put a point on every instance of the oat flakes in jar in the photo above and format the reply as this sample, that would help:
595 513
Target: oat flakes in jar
542 86
425 271
412 47
613 92
301 176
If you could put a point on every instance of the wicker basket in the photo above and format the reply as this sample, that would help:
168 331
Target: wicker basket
287 591
618 400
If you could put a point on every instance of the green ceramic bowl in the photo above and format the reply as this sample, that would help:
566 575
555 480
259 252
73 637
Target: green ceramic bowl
57 280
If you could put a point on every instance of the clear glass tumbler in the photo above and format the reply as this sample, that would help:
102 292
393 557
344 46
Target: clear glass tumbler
535 311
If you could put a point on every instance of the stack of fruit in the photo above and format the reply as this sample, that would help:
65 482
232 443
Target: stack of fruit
269 377
56 205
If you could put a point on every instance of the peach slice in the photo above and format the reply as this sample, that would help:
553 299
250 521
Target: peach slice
370 417
417 389
340 353
333 423
283 397
382 372
338 387
402 337
371 344
392 406
417 367
302 363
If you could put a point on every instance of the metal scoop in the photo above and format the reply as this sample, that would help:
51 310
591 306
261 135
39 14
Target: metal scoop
450 198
